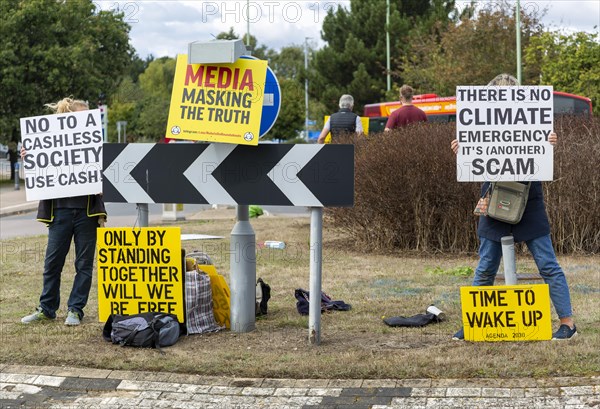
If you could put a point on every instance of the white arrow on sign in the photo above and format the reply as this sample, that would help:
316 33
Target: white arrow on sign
119 173
287 180
200 173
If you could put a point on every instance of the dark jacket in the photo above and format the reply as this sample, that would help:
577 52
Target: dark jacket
533 224
342 121
95 207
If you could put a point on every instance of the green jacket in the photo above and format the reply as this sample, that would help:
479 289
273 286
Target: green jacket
95 207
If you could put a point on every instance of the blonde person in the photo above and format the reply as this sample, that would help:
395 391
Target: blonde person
68 219
534 230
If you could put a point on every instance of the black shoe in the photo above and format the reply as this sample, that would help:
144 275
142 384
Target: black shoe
459 336
564 332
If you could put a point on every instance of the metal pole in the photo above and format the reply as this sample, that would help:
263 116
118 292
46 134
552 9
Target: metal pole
316 263
508 259
119 131
387 45
243 273
306 87
143 208
248 24
143 214
518 28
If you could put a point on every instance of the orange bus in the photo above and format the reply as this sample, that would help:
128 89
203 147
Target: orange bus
443 109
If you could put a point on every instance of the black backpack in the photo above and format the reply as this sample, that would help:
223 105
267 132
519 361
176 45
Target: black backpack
145 330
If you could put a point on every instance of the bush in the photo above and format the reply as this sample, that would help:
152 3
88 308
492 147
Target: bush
407 196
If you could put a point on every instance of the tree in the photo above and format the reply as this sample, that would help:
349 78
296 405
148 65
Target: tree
156 84
569 62
474 51
289 63
262 52
123 106
291 115
356 46
51 49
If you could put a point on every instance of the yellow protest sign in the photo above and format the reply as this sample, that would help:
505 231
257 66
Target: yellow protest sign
140 270
217 102
506 313
363 120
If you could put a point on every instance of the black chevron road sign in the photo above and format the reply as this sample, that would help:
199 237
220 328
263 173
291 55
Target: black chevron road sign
228 174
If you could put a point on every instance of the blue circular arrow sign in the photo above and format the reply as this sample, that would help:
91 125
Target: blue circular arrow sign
271 101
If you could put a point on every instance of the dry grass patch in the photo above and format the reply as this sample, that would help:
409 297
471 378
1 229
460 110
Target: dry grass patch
355 344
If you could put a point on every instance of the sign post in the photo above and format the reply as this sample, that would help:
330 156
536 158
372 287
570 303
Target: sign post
220 97
314 176
316 264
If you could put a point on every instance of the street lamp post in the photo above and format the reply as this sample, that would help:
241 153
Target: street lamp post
248 24
518 32
306 87
387 44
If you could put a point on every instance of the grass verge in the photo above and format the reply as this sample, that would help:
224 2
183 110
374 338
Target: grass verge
355 344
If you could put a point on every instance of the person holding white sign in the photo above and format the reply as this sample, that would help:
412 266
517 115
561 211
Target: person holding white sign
534 230
68 219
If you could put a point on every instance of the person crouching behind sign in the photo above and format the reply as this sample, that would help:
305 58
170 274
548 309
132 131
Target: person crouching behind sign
534 230
68 218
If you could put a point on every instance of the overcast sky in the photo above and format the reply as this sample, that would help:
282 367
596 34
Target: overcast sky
164 28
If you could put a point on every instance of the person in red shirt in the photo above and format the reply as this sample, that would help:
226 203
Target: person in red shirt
407 113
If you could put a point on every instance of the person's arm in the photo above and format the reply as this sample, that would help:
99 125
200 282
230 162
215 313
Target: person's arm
324 132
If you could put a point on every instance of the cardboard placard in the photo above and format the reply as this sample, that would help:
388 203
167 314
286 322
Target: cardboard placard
506 313
140 270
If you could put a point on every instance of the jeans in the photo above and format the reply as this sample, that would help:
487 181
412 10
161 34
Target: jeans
490 253
69 224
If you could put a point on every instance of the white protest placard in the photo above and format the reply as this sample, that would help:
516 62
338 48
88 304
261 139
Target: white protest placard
63 154
502 133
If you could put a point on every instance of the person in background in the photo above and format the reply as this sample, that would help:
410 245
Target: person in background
343 121
68 219
13 158
407 113
534 230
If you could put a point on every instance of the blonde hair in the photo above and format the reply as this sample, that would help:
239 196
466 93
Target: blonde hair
68 105
503 79
406 92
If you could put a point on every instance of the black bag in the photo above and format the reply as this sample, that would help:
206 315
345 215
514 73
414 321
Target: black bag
146 330
263 295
